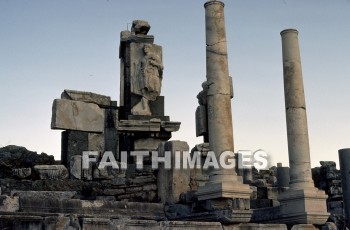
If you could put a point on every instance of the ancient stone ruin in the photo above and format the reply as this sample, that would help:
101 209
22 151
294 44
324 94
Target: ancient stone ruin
118 169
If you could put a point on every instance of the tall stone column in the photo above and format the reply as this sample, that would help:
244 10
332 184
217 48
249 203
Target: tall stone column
297 131
302 203
344 161
223 183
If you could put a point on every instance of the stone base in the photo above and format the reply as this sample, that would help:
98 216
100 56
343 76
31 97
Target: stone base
232 189
303 207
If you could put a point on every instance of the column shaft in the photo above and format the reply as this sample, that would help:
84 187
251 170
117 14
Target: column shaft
219 92
297 131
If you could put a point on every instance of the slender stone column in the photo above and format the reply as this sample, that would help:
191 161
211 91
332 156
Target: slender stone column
222 182
302 203
298 138
344 161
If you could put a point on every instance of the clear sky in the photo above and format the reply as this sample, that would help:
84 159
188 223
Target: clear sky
49 46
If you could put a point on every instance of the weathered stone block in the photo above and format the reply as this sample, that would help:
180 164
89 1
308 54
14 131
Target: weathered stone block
96 223
172 182
148 144
43 194
262 192
304 227
51 171
9 203
87 97
201 121
76 115
75 168
251 226
74 143
22 172
135 224
190 225
260 203
114 192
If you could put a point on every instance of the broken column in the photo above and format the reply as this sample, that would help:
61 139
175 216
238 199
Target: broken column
302 203
344 161
223 183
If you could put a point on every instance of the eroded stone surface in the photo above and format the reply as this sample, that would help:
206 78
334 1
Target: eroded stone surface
76 115
87 97
51 171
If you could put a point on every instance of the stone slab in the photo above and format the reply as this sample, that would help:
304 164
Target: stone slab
252 226
76 115
51 171
9 203
88 97
172 182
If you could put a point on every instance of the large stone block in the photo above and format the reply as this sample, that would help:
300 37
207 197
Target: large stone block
251 226
190 225
76 115
88 97
74 143
9 203
51 171
96 223
172 182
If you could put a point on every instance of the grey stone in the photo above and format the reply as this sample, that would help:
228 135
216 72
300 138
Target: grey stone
140 27
304 227
344 159
75 168
51 171
96 223
283 176
190 225
16 157
22 172
114 192
74 143
252 226
148 144
87 97
76 115
172 182
224 183
129 224
107 198
9 203
44 194
302 202
201 120
329 226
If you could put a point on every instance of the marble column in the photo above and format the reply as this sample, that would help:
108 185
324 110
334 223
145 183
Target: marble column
297 131
302 203
223 183
344 161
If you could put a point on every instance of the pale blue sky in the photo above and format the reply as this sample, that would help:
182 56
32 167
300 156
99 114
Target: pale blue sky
49 46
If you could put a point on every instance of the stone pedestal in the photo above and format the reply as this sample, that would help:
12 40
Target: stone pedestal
344 161
223 183
302 203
